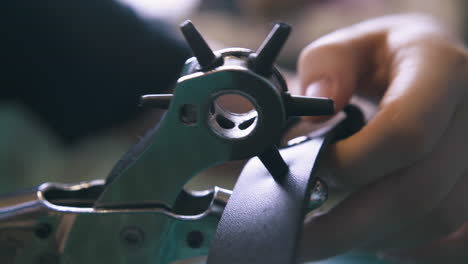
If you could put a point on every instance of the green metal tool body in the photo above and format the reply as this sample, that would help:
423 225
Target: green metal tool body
190 135
141 212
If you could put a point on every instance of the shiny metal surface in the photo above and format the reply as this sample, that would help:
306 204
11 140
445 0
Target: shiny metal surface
57 220
74 232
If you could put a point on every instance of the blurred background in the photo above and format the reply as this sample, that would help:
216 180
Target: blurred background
73 70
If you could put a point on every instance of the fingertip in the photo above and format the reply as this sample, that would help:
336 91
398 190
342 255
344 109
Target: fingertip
320 88
331 67
328 71
326 88
319 119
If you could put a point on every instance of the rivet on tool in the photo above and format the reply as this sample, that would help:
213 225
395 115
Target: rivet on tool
43 230
132 236
195 239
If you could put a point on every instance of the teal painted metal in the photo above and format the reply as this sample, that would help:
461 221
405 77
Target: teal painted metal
196 145
141 214
134 217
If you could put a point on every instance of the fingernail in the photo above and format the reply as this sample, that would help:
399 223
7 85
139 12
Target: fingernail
321 88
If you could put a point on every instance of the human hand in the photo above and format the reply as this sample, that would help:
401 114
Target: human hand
408 167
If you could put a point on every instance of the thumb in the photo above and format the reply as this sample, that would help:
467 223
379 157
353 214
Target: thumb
333 66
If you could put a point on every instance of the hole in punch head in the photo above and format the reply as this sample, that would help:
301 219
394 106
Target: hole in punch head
234 103
224 122
188 114
246 124
233 115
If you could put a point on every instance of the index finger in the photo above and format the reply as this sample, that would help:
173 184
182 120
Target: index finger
416 70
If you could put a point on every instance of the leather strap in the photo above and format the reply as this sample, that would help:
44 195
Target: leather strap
263 219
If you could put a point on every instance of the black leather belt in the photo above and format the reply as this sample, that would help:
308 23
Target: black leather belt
263 219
